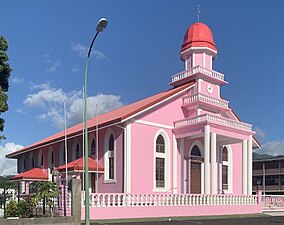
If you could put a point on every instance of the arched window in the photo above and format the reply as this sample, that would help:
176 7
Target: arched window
24 163
111 157
33 162
160 162
77 155
41 160
160 144
225 169
63 154
195 151
52 157
93 147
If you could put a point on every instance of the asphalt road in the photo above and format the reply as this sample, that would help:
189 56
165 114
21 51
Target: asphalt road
269 220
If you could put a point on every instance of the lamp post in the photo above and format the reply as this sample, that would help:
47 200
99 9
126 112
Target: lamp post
100 28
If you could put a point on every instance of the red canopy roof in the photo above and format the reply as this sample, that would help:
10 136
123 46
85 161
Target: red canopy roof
35 174
117 115
77 165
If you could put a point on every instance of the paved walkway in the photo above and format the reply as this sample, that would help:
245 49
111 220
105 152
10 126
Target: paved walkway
261 220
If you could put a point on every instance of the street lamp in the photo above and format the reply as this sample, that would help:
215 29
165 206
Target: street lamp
100 28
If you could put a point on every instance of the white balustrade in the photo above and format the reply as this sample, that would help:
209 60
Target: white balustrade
205 98
160 200
198 69
213 119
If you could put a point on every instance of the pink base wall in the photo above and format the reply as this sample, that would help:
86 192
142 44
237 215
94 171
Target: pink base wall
168 211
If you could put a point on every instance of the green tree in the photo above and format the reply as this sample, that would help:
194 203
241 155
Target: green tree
5 71
45 191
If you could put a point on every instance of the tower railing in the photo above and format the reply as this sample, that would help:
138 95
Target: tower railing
205 98
212 119
196 70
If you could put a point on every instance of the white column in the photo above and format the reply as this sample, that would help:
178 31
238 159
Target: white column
181 145
244 165
175 152
127 157
214 177
250 165
207 159
188 175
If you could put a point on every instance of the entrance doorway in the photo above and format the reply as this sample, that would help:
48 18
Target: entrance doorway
195 177
194 172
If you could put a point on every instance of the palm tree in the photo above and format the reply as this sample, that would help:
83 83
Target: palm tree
45 191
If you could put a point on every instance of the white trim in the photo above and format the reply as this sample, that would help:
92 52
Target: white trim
211 64
218 86
155 105
127 142
175 152
204 61
166 156
153 124
108 133
193 60
229 163
214 176
202 179
181 146
249 158
244 167
199 48
201 149
207 173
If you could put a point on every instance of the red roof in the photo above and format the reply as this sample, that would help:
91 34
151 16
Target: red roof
77 165
117 115
35 174
198 35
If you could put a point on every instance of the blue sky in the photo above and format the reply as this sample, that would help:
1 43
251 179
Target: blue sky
135 57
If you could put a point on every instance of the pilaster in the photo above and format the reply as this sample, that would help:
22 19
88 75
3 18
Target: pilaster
207 159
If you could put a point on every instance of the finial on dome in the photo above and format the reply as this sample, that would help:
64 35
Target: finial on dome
198 12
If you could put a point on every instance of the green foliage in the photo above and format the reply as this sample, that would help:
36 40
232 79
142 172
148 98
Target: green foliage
46 191
5 181
12 209
5 71
24 209
19 209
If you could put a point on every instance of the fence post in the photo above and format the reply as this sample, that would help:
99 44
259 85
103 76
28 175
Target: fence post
76 200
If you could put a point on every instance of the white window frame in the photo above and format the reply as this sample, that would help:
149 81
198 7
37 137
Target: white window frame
228 163
106 157
166 156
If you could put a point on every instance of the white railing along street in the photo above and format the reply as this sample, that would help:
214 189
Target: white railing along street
195 70
205 98
144 200
213 119
272 202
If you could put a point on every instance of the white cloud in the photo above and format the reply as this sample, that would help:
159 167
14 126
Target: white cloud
52 65
83 51
8 166
19 111
75 68
260 134
274 148
50 101
16 80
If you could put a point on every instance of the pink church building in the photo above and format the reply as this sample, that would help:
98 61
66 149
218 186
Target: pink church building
185 141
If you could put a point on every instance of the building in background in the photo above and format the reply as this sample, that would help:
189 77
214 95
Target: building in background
268 175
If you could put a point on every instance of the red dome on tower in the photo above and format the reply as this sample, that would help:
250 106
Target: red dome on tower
198 35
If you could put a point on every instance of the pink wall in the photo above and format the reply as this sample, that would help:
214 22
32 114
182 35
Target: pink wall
168 211
198 59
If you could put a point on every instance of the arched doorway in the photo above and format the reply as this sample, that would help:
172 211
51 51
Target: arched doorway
195 170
